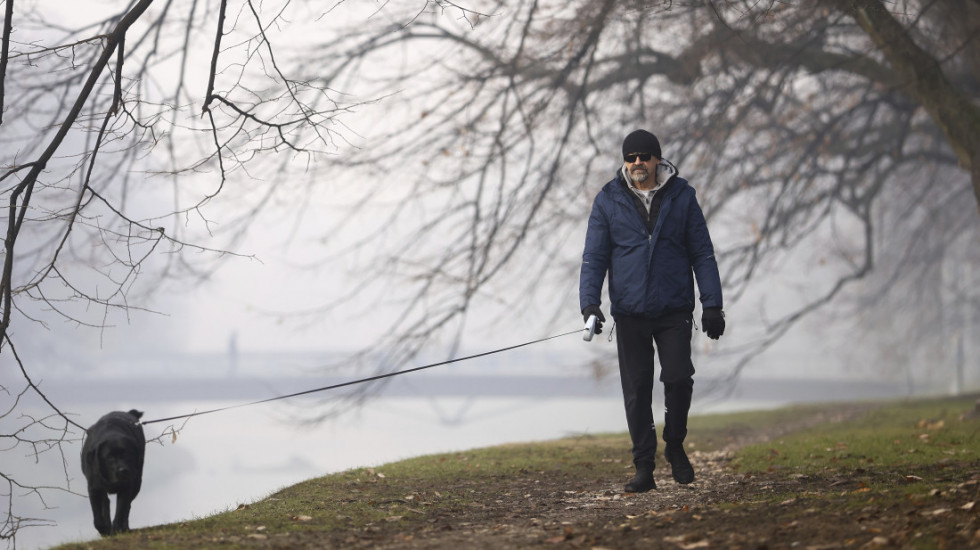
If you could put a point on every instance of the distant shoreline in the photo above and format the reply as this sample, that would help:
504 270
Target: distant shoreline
245 388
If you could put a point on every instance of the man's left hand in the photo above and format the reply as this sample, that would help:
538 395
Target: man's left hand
713 322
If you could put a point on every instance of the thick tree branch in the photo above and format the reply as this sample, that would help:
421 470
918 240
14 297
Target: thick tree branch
214 56
922 77
5 51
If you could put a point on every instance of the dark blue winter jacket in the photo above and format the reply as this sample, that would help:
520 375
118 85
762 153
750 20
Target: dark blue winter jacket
649 273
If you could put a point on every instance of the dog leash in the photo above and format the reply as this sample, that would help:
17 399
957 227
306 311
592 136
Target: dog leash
360 381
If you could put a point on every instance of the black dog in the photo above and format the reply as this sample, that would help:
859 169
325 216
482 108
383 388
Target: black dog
112 461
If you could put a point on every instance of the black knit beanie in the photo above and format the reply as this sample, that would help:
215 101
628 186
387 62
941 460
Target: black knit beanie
641 141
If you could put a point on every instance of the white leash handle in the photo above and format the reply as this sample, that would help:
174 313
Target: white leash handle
589 330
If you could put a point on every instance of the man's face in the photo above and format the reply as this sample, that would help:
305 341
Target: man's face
641 166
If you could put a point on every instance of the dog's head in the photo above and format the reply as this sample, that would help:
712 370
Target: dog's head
118 460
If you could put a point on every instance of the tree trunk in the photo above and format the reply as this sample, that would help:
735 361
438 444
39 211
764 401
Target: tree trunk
924 80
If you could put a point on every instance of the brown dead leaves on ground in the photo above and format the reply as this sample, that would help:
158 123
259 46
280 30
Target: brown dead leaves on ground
721 509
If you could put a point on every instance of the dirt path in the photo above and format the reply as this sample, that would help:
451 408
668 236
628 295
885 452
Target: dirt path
721 509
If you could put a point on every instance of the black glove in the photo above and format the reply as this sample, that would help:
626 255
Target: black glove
713 322
589 311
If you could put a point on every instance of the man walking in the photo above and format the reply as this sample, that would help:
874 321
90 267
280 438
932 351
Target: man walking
647 231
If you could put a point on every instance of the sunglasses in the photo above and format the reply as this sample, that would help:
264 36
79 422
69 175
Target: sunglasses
632 157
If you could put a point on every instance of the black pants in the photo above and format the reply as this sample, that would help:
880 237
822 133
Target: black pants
635 338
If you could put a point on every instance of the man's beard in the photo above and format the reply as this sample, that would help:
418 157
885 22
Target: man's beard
639 176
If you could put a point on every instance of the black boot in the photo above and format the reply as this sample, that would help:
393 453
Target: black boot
642 481
680 466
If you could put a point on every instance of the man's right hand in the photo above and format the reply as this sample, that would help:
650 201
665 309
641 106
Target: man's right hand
589 311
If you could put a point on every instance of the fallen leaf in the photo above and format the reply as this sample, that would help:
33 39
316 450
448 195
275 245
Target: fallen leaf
302 518
912 479
688 542
968 506
258 536
393 518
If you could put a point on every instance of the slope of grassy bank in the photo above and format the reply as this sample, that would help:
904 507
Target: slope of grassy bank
898 474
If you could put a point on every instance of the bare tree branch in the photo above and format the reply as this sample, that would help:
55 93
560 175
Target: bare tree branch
208 95
921 74
8 18
18 207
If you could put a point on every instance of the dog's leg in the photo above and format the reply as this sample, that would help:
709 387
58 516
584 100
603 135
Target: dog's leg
124 501
100 511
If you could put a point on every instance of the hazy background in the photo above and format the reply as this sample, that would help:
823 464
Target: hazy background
428 200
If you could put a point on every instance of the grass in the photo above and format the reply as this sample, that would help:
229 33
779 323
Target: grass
904 436
896 435
385 494
898 451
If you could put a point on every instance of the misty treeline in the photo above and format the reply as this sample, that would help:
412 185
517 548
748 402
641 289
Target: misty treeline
446 155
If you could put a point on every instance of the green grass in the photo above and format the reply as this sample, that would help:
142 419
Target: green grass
896 435
902 436
394 492
901 451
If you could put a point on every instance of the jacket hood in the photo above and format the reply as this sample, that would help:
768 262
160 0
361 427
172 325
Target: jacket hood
665 171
